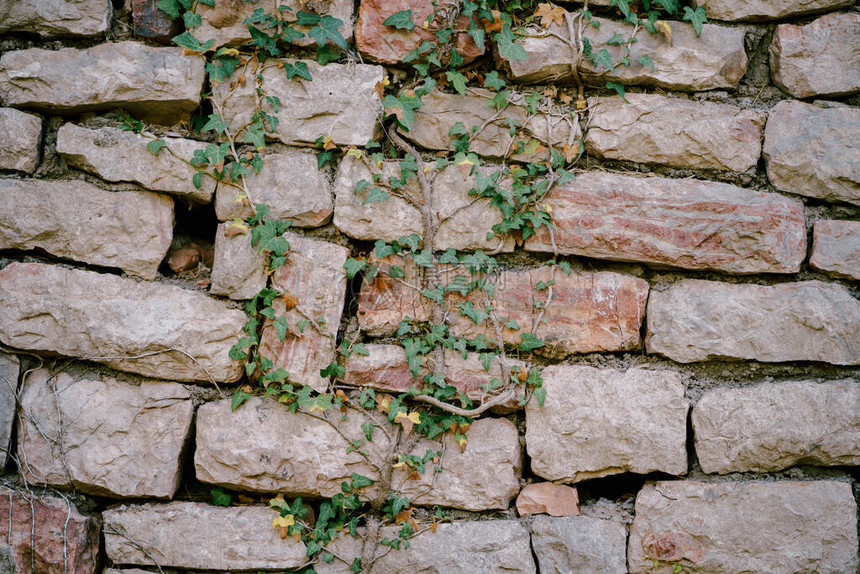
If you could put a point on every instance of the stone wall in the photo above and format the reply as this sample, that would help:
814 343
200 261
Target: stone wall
702 366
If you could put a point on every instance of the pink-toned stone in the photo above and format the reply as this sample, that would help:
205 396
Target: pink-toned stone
589 311
762 10
51 18
389 45
315 276
685 223
239 270
19 147
151 22
548 498
836 248
821 58
45 535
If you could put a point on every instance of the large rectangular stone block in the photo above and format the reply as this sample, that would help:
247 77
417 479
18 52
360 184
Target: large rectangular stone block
812 151
199 536
341 102
697 320
598 422
686 223
102 436
238 269
836 248
117 155
772 426
649 128
758 526
146 328
10 368
19 149
50 18
763 10
158 84
579 544
130 230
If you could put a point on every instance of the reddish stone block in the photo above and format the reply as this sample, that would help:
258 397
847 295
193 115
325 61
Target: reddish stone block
150 22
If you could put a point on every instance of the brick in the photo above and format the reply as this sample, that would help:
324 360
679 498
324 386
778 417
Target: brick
55 18
836 248
686 223
19 149
697 320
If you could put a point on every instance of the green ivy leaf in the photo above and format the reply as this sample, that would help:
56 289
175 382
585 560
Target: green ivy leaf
603 58
327 29
155 146
356 565
540 395
423 258
219 497
458 81
619 89
359 481
375 195
353 266
216 124
281 327
299 69
696 17
192 20
508 48
646 61
401 20
529 342
239 397
494 81
187 40
197 179
170 7
367 428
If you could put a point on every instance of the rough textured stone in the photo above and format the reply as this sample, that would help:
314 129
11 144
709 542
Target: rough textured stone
776 425
836 248
9 370
313 274
289 184
821 58
19 148
389 45
48 535
239 271
110 320
151 22
685 223
649 128
158 84
264 447
386 369
117 155
195 535
130 230
762 10
758 526
442 111
224 21
548 498
579 544
589 311
55 17
117 439
599 422
484 547
697 320
463 220
340 103
715 60
832 172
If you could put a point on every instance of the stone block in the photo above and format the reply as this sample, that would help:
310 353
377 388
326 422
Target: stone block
764 10
102 436
697 320
548 498
153 23
129 230
238 271
579 544
10 368
53 18
836 248
19 149
146 328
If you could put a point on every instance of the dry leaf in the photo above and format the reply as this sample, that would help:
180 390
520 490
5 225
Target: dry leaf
237 227
328 144
290 300
407 421
665 29
565 98
551 91
434 526
382 403
204 283
523 374
571 152
549 14
246 499
461 440
496 25
404 515
283 532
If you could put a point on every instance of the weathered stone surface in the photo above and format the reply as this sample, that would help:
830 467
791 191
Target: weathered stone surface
112 320
55 17
821 58
836 248
224 21
117 439
589 311
685 223
239 271
289 184
389 45
484 547
649 128
386 369
758 526
19 148
715 60
598 422
195 535
579 544
315 276
832 171
151 22
9 370
117 155
130 230
442 111
159 84
776 425
697 320
340 103
762 10
548 498
264 447
463 220
48 535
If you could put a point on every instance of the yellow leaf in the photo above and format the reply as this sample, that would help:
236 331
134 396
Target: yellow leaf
461 440
283 521
665 29
425 24
549 14
240 198
407 421
382 403
328 144
237 227
354 152
398 464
